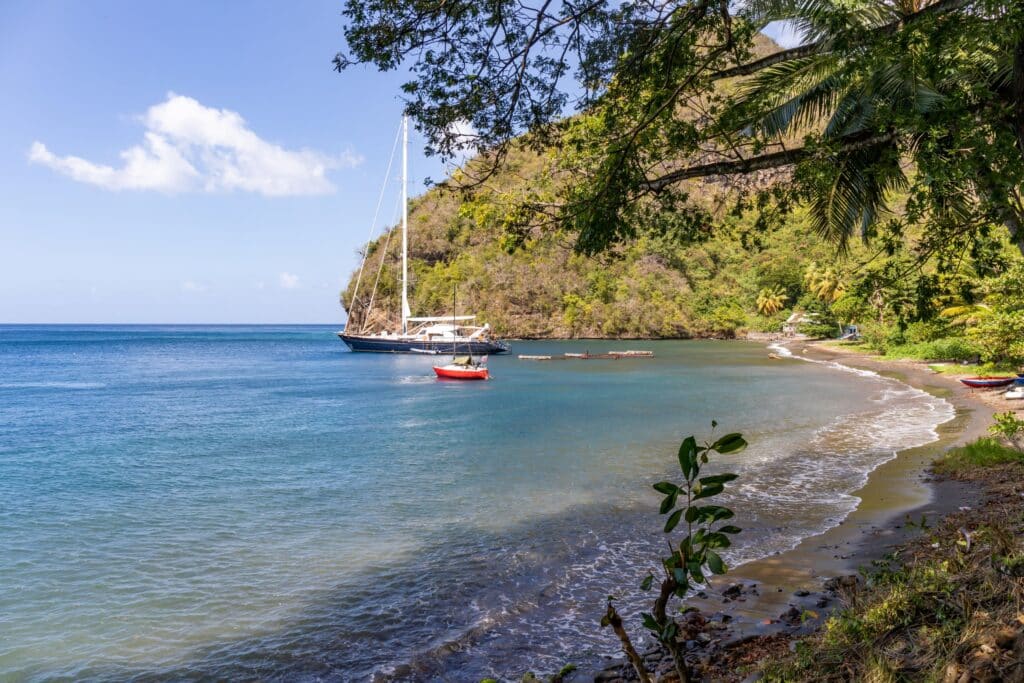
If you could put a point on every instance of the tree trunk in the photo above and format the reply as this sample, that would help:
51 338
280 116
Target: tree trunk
668 587
635 659
1017 94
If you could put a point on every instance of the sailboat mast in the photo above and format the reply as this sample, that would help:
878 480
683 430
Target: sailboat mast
405 225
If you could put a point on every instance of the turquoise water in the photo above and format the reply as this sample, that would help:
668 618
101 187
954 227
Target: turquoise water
256 502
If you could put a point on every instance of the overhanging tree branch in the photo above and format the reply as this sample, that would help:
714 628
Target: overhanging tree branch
761 162
765 62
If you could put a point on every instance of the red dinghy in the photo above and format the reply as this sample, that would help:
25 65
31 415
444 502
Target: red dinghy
462 367
987 382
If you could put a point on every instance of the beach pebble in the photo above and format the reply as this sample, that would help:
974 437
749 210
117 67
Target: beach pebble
791 616
732 591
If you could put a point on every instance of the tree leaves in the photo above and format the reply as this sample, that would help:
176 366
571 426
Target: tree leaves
730 443
718 479
715 563
877 87
694 557
666 487
708 491
673 520
688 457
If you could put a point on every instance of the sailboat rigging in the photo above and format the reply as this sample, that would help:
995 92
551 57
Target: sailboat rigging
430 335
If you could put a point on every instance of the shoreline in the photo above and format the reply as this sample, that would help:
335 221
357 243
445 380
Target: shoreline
762 605
896 489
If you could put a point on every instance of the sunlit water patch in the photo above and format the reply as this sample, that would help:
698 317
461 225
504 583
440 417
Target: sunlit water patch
188 502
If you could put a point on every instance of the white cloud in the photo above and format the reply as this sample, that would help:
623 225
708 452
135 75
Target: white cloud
193 286
190 147
465 137
288 280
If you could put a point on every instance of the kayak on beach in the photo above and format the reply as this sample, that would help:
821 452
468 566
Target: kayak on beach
987 382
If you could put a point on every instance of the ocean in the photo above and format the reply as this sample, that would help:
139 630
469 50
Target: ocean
255 502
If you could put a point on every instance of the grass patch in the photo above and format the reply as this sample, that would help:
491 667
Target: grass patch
984 452
972 370
846 344
944 607
947 348
895 631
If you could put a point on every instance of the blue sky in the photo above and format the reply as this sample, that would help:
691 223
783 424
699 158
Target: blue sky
190 162
102 239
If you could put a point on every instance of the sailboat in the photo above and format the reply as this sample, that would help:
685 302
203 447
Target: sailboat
462 367
430 335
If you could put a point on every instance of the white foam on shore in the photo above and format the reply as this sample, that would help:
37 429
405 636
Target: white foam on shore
906 418
813 485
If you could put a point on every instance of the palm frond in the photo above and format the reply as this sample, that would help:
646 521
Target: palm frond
862 181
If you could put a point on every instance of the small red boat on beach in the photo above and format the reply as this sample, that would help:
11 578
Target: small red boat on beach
463 367
987 382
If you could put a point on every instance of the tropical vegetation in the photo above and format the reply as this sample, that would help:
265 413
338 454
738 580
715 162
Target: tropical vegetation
739 277
688 194
893 116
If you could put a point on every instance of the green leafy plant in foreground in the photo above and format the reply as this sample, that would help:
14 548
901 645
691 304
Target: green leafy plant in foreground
694 557
1008 426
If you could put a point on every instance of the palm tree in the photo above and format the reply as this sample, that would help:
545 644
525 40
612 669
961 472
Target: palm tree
966 314
868 99
824 283
771 300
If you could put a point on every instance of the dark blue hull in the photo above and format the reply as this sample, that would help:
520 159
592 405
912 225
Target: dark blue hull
379 345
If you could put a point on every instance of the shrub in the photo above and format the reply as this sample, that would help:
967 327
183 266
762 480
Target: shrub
759 323
1000 337
948 348
876 336
728 318
693 557
926 331
850 308
1008 426
826 329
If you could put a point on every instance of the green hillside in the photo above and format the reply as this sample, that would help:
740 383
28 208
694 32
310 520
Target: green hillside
651 287
679 277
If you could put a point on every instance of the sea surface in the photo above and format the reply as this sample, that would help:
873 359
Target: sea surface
258 503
